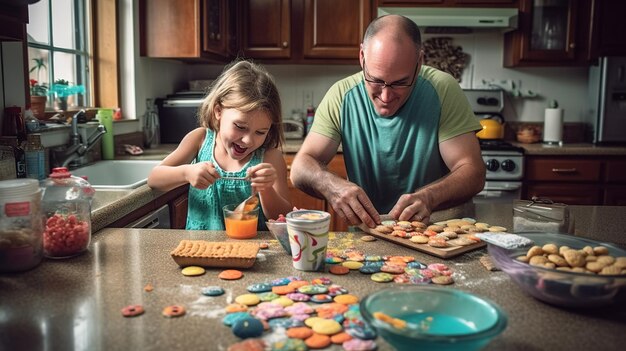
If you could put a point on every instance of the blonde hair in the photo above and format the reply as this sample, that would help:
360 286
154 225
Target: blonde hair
244 86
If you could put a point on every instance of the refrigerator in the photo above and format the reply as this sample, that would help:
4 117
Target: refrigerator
607 94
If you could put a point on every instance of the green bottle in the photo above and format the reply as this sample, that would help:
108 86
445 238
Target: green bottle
105 116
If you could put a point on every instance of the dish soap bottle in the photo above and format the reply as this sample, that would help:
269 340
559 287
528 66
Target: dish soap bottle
67 210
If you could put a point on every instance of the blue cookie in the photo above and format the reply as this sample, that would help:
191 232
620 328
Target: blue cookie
370 269
231 318
362 332
285 323
248 328
212 291
259 287
416 264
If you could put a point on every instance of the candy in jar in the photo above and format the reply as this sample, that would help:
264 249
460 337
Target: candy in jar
67 209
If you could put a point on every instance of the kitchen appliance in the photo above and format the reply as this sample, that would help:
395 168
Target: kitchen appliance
504 19
503 160
293 129
178 115
607 92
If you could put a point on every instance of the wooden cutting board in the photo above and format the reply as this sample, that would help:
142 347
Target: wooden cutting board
447 252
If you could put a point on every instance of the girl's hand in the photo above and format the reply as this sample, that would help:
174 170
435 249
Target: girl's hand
201 175
262 176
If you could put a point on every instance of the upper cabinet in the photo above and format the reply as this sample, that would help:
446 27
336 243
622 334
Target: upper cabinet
550 33
187 29
304 31
608 28
445 3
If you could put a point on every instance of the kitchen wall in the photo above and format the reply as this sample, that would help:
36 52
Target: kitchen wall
298 83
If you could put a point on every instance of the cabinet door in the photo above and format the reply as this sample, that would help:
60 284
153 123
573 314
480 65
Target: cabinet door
334 29
615 195
443 3
337 166
214 17
556 169
170 29
547 34
178 212
299 198
571 194
266 29
609 27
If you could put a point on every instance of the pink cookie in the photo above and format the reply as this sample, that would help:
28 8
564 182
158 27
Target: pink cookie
359 345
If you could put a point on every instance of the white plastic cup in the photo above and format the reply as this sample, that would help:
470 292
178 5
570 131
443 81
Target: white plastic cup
308 238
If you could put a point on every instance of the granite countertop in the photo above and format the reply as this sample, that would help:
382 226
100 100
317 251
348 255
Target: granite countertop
75 303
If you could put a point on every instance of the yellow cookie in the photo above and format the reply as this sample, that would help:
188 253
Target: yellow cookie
193 270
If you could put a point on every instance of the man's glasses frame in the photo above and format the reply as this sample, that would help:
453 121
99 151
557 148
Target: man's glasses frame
381 84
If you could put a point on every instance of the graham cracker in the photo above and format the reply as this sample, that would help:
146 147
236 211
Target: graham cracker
223 254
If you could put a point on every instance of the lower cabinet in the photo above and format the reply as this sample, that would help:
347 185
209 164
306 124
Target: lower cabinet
576 180
178 211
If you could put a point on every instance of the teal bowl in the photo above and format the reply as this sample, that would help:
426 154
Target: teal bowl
436 318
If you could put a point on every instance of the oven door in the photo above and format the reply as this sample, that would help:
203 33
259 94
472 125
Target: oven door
499 191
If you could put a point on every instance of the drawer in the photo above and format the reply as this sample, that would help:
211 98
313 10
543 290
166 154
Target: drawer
574 194
563 170
615 171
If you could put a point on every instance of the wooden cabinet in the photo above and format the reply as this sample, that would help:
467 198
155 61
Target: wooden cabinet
608 28
550 33
302 200
187 29
178 211
575 180
304 31
446 3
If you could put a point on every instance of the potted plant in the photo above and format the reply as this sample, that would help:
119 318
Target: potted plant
38 91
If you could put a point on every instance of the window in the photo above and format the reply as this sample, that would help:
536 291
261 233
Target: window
59 51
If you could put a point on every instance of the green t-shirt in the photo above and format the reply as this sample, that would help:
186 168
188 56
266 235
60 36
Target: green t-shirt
391 156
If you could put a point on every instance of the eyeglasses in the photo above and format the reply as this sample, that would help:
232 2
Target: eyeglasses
380 84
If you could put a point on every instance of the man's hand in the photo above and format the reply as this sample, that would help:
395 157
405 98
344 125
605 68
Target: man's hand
351 203
201 175
413 207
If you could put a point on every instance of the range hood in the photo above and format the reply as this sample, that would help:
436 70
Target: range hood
503 19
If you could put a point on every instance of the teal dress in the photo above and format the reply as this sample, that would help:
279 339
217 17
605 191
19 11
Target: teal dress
205 205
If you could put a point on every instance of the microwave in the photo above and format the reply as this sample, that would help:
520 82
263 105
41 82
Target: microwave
178 115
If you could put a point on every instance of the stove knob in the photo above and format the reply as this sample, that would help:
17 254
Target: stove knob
492 165
508 165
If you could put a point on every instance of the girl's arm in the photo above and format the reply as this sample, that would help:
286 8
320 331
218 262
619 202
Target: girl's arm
274 198
175 170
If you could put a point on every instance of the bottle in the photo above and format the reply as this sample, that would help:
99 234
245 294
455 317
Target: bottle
105 116
310 114
35 157
67 209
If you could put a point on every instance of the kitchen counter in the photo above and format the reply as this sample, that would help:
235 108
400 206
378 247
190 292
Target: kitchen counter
75 303
582 149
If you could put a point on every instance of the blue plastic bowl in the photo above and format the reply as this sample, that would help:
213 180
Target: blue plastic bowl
437 318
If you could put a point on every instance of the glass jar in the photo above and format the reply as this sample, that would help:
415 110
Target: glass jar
67 210
21 225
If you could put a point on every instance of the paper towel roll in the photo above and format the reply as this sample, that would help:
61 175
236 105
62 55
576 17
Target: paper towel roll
553 126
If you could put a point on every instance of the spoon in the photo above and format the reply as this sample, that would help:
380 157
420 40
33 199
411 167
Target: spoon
247 205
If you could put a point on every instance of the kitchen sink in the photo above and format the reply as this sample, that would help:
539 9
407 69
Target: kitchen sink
117 174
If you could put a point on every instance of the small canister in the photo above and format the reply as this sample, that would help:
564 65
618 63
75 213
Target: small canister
541 215
21 225
67 210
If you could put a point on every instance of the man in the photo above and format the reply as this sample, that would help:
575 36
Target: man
407 133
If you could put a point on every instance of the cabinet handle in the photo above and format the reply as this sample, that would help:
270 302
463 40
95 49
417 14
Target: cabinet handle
212 36
572 45
564 170
218 36
285 44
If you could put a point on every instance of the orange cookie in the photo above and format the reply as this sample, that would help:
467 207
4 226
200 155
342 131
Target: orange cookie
340 338
230 274
174 311
236 307
317 341
339 270
283 289
299 332
298 283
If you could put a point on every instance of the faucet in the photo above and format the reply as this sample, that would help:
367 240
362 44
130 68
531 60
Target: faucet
77 148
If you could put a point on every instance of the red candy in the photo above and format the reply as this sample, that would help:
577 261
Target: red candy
65 236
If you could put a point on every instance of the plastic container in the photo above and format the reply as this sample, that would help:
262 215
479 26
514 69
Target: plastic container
105 116
35 157
21 225
67 210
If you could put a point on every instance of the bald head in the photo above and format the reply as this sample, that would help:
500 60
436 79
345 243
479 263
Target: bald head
396 28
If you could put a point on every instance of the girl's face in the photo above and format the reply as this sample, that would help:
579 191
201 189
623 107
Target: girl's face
242 132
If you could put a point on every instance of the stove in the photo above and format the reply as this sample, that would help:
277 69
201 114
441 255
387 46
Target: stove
503 160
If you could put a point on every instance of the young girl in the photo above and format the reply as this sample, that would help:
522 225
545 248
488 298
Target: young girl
240 136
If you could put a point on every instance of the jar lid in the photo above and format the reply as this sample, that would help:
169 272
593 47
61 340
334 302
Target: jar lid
18 187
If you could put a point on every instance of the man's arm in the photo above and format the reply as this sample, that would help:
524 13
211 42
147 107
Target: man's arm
466 178
309 173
